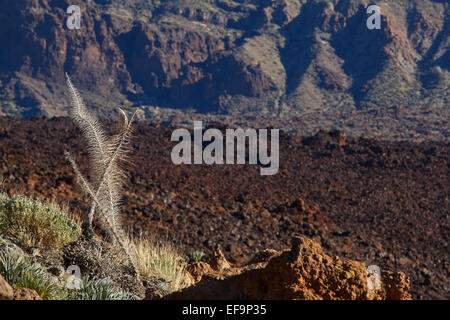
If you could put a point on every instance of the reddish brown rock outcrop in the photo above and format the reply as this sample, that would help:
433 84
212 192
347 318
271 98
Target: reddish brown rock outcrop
26 294
303 272
6 292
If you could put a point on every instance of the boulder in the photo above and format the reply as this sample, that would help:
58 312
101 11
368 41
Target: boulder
26 294
6 292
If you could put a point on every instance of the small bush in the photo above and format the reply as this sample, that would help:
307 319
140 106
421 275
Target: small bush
158 259
36 224
20 273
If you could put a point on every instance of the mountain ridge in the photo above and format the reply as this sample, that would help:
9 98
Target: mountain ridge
283 58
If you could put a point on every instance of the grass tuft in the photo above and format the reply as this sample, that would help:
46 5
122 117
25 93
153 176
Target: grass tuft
158 259
197 256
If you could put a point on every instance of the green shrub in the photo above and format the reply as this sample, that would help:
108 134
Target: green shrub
36 224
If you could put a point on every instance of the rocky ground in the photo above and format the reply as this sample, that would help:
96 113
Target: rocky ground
304 272
382 203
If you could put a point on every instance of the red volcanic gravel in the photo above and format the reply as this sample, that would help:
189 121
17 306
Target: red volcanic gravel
383 203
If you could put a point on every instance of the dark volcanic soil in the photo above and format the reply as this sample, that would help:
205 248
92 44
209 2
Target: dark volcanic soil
377 202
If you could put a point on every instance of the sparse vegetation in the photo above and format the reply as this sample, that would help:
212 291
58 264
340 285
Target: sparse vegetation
20 273
159 259
36 224
197 256
103 289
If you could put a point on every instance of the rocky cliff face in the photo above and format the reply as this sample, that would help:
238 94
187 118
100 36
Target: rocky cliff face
286 57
